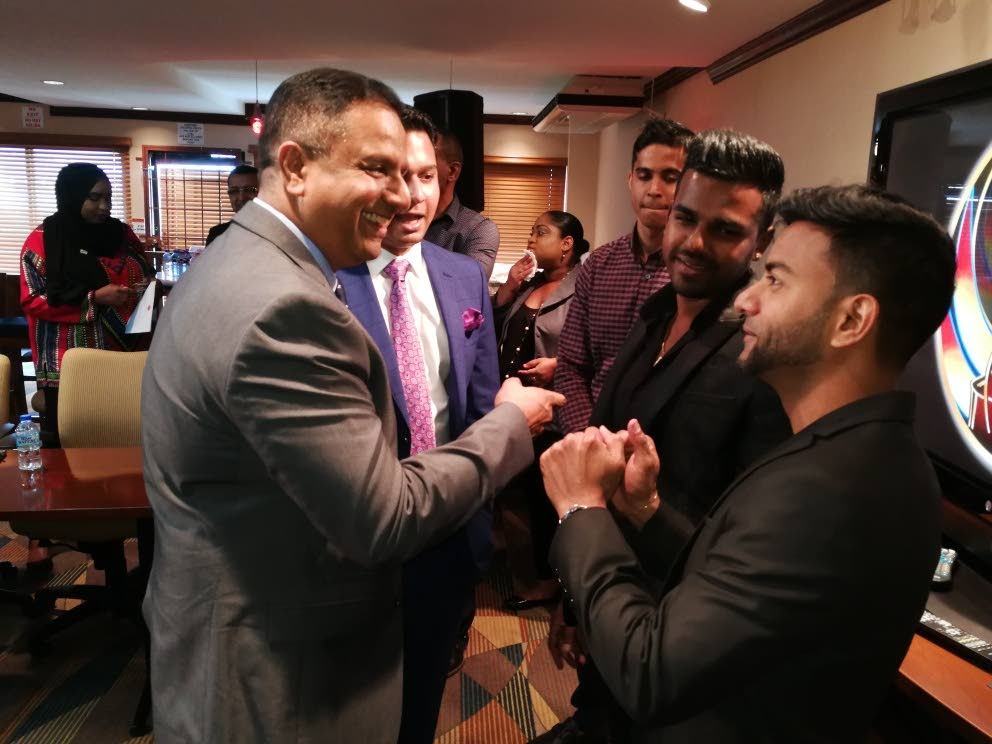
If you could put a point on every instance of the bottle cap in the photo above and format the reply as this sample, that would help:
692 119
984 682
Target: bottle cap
25 417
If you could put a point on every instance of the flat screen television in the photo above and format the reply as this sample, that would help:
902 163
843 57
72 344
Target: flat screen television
932 144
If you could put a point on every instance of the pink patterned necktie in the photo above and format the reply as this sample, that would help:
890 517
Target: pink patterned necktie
410 358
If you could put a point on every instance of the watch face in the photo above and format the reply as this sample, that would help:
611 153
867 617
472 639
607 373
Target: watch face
964 340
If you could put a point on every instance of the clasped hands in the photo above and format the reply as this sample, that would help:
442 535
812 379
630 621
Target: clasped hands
597 466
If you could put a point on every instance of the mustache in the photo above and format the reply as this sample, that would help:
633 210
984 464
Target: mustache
695 257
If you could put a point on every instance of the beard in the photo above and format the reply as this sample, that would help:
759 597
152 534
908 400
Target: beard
798 344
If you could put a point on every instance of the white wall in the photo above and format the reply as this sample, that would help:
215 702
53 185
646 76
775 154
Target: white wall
815 102
614 215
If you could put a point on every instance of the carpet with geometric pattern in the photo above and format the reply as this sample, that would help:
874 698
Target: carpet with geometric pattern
84 691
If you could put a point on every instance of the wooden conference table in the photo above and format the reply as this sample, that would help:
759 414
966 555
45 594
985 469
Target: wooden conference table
87 485
94 484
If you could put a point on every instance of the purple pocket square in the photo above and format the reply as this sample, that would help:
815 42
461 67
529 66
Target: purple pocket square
472 319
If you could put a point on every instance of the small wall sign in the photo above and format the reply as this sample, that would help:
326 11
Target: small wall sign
32 116
190 134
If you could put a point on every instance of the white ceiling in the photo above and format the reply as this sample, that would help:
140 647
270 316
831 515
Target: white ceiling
198 55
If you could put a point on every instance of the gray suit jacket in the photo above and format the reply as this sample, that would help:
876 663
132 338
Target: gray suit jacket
282 514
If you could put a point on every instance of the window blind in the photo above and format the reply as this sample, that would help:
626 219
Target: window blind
191 200
27 190
517 194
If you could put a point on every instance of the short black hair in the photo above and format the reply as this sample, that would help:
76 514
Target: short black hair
658 131
883 246
242 170
306 105
731 156
449 145
415 120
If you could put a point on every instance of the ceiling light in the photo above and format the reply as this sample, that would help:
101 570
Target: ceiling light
700 6
53 82
139 108
257 121
519 113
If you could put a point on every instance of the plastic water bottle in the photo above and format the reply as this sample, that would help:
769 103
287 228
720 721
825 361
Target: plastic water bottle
27 436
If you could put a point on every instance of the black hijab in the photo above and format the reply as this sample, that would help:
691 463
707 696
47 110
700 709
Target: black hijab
72 245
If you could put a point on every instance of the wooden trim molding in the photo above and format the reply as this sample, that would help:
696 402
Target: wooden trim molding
821 17
181 116
65 140
669 79
504 160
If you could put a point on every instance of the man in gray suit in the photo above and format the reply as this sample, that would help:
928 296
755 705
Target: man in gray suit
282 513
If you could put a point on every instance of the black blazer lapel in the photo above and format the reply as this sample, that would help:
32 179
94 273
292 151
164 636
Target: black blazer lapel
695 352
602 410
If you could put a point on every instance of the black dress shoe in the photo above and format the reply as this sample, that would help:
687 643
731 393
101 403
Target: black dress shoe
569 732
457 659
516 603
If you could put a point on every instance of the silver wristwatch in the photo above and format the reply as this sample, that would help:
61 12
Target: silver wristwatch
571 510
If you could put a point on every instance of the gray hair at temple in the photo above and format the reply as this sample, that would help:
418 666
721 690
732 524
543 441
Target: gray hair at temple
738 158
306 106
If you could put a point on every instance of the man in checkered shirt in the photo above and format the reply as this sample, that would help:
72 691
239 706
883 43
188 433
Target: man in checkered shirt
456 227
619 276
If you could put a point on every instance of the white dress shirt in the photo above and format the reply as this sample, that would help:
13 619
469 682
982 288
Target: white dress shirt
430 327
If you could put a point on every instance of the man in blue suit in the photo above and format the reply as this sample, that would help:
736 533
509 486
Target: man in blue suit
428 310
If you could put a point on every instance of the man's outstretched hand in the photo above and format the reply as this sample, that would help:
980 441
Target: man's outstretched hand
537 404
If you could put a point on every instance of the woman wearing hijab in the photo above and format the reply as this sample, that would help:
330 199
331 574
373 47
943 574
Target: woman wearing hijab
80 272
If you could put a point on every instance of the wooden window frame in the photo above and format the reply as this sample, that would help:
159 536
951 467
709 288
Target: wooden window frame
146 150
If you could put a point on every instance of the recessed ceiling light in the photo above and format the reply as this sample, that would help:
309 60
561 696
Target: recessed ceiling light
700 6
520 113
139 108
53 82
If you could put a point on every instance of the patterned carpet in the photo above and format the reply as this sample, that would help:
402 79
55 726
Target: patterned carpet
86 689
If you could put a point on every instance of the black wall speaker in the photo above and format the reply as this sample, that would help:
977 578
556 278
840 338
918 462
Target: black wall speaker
460 111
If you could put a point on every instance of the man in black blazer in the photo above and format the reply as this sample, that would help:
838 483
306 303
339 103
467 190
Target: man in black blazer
787 615
677 371
242 187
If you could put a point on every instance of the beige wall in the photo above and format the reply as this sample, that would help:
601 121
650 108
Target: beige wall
581 181
518 141
815 102
614 216
581 151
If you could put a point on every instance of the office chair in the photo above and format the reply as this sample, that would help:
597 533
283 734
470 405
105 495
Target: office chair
99 406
